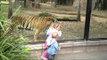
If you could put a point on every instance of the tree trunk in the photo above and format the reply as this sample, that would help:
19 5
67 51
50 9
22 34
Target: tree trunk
83 4
16 3
24 3
100 5
104 5
55 3
10 10
72 1
79 5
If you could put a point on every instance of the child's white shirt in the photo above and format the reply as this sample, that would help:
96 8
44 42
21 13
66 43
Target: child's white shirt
49 34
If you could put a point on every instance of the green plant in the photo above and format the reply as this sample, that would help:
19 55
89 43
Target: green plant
1 21
45 13
11 46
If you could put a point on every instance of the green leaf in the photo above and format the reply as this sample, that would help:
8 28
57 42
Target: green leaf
1 25
4 57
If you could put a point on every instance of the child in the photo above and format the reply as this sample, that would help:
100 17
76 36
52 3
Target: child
53 48
56 28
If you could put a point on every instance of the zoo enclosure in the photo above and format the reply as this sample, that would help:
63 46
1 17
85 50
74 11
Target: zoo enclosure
76 28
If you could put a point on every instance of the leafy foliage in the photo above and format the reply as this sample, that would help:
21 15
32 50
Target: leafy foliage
45 13
11 46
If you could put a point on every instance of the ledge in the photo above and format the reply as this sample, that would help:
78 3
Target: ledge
69 44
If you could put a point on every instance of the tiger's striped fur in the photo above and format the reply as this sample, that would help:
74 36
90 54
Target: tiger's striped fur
27 22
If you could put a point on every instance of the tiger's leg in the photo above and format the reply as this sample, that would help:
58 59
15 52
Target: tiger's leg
37 32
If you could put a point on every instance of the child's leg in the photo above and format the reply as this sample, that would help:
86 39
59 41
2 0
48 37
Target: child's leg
44 54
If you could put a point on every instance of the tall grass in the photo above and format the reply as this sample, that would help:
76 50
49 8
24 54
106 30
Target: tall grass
11 46
1 21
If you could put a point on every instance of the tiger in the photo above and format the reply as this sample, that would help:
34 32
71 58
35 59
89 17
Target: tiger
38 24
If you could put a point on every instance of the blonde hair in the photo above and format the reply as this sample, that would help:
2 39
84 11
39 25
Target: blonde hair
54 35
56 25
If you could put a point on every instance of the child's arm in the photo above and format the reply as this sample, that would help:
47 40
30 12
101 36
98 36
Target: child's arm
59 33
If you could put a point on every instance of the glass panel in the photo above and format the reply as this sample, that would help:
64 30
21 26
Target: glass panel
71 14
66 11
98 26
